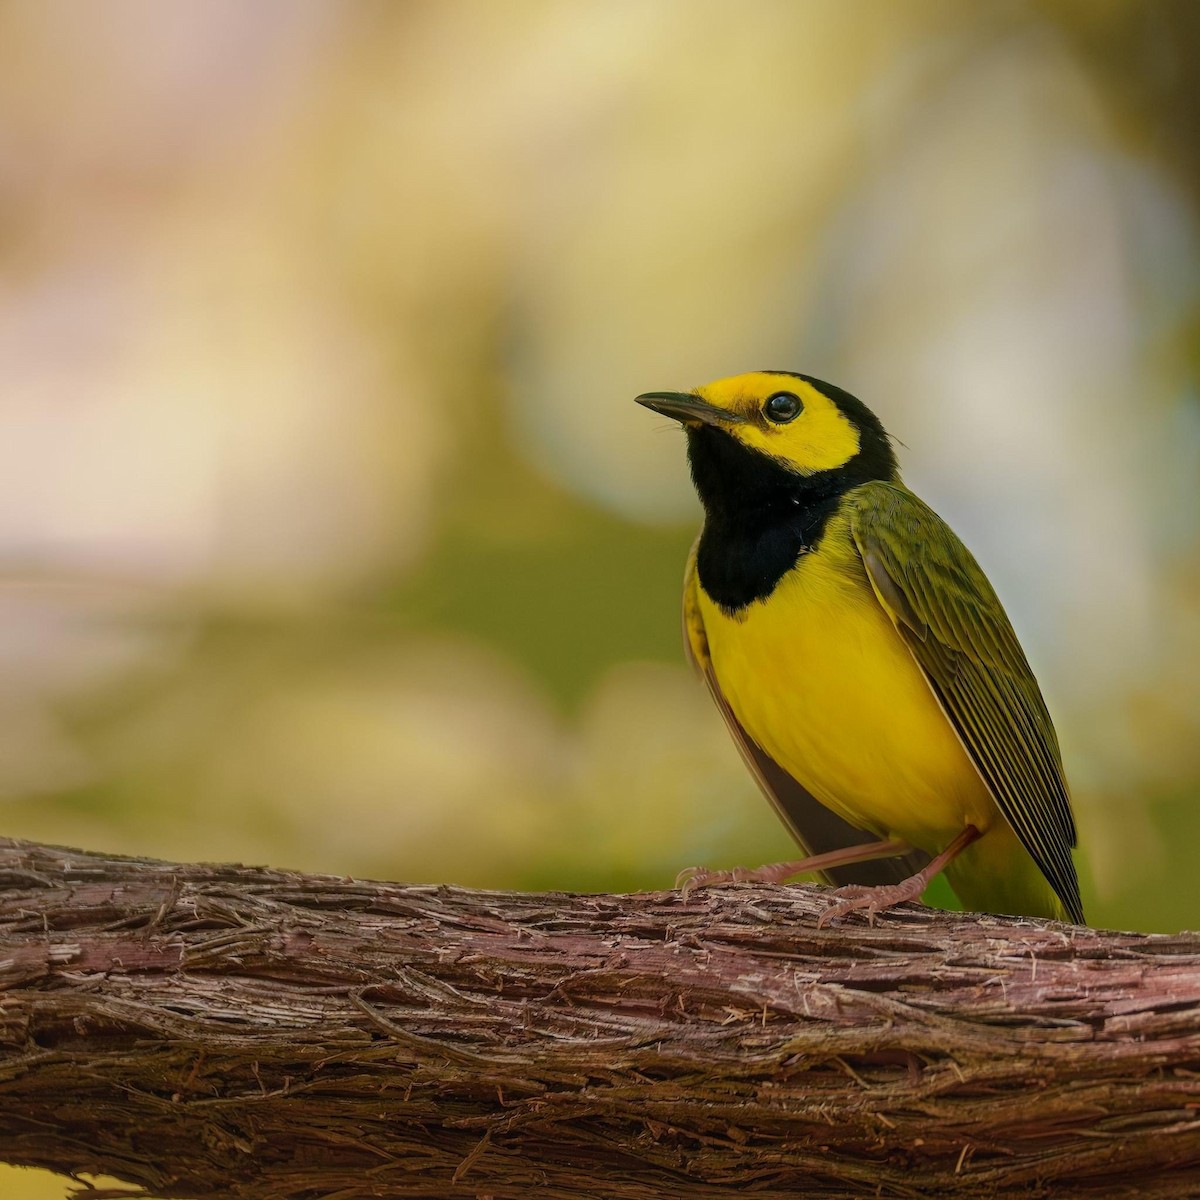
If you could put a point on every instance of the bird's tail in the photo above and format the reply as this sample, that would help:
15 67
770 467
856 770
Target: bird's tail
997 874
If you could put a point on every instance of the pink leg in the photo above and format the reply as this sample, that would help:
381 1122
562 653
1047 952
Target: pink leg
700 877
877 899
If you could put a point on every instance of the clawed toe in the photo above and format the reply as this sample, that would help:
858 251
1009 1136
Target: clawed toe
872 900
702 877
689 880
695 877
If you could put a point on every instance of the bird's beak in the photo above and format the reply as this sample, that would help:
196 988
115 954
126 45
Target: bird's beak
691 410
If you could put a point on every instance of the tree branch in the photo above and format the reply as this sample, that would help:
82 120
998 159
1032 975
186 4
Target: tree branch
223 1032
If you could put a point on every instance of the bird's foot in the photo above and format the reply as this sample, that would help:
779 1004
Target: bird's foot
701 877
873 900
878 899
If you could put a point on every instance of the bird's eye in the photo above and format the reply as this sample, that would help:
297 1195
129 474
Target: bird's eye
782 407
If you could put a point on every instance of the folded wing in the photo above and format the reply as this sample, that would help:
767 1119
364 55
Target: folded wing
954 625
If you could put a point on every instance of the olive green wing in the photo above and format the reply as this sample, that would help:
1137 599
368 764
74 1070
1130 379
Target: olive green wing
815 827
956 629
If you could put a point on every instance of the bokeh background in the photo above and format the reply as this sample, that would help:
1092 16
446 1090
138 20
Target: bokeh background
330 536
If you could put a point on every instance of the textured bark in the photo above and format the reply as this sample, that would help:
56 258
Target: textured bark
209 1031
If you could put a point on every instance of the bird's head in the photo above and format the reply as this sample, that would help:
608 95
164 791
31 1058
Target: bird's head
767 435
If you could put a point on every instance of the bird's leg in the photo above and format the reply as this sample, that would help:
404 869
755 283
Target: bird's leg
699 877
877 899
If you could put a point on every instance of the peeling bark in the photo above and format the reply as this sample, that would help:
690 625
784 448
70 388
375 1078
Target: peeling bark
225 1032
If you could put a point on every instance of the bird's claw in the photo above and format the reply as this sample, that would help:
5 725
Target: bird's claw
701 877
857 897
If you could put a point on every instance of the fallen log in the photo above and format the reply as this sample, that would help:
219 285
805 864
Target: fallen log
238 1033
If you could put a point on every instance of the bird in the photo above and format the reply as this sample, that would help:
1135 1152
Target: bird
863 662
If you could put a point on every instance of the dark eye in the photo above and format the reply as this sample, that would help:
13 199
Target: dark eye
782 407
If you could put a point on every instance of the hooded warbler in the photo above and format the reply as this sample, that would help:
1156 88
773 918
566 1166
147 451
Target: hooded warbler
862 661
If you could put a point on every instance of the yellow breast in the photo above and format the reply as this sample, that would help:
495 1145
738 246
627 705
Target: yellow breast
819 677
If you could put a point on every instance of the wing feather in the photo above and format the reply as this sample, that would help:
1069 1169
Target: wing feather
956 629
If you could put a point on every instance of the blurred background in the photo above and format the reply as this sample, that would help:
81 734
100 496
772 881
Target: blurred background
330 536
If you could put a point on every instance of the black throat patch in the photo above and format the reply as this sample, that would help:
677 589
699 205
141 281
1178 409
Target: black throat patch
760 517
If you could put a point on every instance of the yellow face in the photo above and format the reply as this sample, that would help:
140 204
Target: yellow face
786 417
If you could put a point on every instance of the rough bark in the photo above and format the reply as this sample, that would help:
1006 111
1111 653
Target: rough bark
214 1031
